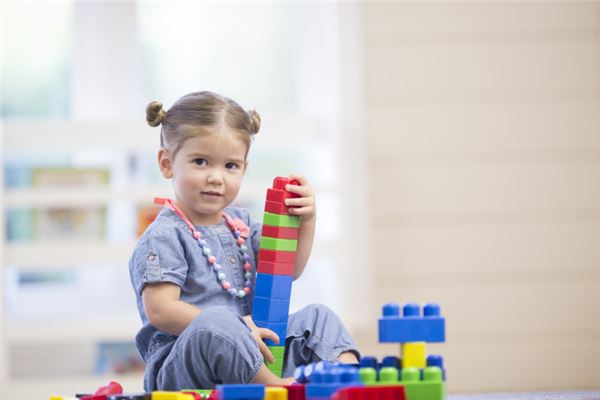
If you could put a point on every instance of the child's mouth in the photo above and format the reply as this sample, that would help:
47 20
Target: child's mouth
213 194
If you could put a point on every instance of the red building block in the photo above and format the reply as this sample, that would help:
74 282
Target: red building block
279 196
370 393
276 208
275 256
280 232
275 268
280 182
296 392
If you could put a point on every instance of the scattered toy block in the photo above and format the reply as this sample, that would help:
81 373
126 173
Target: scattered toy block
276 393
241 392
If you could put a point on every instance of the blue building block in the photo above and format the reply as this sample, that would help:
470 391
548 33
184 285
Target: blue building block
325 381
273 286
280 330
270 310
241 392
436 360
369 362
411 326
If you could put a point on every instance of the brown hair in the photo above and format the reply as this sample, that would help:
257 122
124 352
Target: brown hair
200 109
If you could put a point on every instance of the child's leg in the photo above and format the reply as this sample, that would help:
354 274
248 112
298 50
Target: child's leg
316 333
216 348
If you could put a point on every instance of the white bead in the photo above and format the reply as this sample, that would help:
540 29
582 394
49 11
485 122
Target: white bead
221 276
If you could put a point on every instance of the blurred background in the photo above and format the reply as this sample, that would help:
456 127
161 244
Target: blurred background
454 149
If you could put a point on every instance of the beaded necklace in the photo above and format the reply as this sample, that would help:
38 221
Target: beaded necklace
212 260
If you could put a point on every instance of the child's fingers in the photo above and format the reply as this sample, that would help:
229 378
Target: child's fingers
299 202
268 334
266 352
298 177
302 191
301 210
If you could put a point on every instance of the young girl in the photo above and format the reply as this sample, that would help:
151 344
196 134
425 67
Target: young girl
196 304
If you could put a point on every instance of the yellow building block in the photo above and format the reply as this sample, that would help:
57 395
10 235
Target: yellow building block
275 393
413 355
171 396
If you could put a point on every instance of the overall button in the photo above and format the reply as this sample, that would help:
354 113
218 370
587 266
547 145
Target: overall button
232 259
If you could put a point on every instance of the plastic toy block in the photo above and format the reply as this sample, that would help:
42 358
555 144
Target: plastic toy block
278 244
276 208
275 366
391 361
276 393
324 383
280 182
277 351
371 393
279 196
280 232
111 388
289 221
431 387
196 396
273 286
280 330
411 326
435 360
287 257
270 310
296 392
267 267
130 396
241 392
171 396
414 355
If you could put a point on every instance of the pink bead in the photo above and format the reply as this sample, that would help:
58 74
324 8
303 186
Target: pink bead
226 285
247 267
246 290
197 235
212 259
241 241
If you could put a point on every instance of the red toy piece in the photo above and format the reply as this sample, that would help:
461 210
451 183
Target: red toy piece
197 396
296 392
277 256
275 268
279 196
371 392
280 232
276 208
103 392
280 182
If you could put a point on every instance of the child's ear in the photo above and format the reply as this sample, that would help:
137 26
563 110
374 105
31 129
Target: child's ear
165 163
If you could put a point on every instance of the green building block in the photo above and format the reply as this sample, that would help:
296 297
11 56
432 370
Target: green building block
289 221
269 243
430 388
277 351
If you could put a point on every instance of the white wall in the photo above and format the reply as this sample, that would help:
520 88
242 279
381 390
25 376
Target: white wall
484 177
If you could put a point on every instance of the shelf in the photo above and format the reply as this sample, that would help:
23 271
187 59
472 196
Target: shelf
79 197
65 253
121 328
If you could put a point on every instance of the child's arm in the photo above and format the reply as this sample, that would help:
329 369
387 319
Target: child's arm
164 309
305 207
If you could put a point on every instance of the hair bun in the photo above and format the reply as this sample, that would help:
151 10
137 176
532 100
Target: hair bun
254 121
155 113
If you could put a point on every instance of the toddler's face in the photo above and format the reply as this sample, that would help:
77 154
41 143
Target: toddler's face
207 174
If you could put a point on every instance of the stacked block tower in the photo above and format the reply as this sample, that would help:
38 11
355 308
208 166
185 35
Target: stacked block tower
413 329
275 269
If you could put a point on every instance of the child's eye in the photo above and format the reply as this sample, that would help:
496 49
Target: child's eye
200 161
231 165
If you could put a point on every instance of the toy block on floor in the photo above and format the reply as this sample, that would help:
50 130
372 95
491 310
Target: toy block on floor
371 393
413 355
430 387
241 392
273 286
324 383
276 393
270 243
411 326
296 392
280 232
270 310
288 221
138 396
171 396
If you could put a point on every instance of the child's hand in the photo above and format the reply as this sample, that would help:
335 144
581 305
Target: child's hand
259 334
304 205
